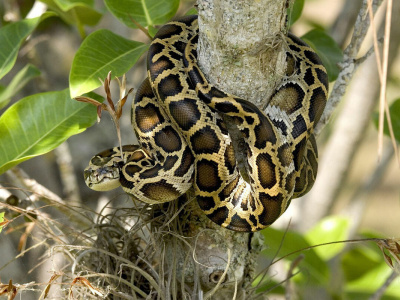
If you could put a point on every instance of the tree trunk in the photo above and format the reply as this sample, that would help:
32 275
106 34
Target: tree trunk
240 52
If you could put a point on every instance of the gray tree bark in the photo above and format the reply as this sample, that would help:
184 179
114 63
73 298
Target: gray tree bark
241 52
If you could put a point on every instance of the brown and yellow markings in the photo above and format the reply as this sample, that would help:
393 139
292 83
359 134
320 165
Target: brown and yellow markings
186 143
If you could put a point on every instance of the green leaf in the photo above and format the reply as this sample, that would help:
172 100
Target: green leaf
11 38
101 52
295 11
315 269
17 83
145 12
77 13
1 220
360 260
39 123
394 111
372 281
152 30
329 229
192 11
327 49
66 5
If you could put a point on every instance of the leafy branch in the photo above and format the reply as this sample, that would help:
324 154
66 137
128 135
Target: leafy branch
114 111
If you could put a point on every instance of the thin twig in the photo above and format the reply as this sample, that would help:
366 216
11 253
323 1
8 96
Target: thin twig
347 66
67 174
379 293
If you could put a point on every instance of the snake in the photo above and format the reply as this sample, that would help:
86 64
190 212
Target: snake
184 143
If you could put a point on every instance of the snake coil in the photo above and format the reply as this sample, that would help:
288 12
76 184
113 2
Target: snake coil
184 142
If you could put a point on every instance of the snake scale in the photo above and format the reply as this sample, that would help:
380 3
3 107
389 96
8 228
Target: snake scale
184 143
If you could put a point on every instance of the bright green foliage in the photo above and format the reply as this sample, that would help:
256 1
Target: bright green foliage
295 12
66 5
192 11
75 12
145 12
39 123
360 260
330 229
11 38
101 52
342 271
17 83
394 110
315 267
327 49
365 271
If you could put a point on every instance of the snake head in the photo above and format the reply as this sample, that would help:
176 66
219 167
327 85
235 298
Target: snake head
103 171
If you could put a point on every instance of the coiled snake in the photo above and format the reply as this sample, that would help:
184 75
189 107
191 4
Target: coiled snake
184 141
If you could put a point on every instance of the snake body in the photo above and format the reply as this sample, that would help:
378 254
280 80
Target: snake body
184 141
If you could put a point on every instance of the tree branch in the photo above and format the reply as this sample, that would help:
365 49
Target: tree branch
350 125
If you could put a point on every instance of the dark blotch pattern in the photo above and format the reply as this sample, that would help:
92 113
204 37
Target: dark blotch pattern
162 64
226 192
266 171
125 183
205 203
185 113
187 159
170 86
132 169
226 107
175 55
158 190
152 172
246 133
249 120
308 77
222 127
318 101
294 48
219 215
214 92
179 46
143 91
205 140
130 148
323 77
264 132
290 182
299 126
313 57
281 125
248 106
272 208
169 162
298 153
148 117
297 40
285 155
168 30
230 160
168 139
207 178
253 220
106 153
238 224
136 156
